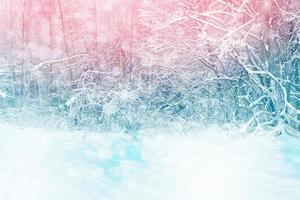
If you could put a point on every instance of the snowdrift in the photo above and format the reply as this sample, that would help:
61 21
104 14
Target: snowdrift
37 164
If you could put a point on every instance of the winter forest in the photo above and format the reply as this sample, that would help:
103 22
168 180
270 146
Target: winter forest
131 64
163 69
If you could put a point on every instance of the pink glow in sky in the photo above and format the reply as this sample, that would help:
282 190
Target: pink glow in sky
79 26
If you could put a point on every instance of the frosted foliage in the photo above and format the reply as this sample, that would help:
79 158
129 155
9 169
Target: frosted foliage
129 65
149 99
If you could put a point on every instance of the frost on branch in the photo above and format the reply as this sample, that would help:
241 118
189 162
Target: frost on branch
210 62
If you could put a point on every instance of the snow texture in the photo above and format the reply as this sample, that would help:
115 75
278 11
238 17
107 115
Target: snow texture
37 164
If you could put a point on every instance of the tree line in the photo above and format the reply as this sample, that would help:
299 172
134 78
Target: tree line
130 64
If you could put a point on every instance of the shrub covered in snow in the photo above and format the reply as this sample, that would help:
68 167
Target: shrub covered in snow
209 62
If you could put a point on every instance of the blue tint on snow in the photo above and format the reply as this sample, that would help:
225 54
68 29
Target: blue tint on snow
291 154
121 151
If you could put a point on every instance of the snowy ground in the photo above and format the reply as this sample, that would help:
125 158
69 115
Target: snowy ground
42 165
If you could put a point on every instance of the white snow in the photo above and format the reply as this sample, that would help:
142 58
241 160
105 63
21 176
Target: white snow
2 94
37 164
